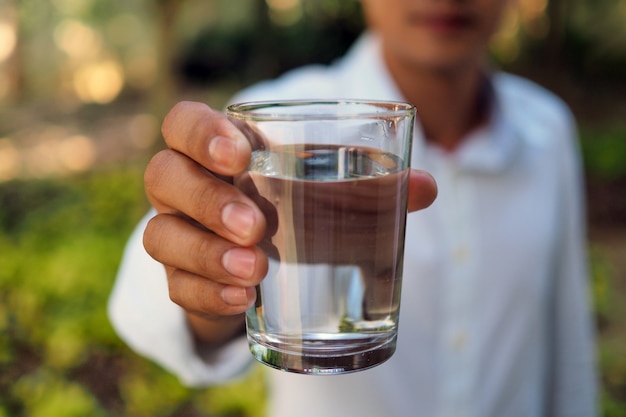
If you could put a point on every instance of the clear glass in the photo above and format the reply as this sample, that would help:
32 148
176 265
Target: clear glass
331 178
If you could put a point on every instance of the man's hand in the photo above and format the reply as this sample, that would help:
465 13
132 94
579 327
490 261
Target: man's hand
206 230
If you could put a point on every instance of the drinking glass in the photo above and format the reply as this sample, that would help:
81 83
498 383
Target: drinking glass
331 178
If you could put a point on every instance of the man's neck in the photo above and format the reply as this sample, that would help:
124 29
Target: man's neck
450 104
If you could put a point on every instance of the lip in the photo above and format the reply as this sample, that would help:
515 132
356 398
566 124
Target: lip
443 23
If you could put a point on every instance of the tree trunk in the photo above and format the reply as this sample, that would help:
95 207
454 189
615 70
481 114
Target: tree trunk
164 91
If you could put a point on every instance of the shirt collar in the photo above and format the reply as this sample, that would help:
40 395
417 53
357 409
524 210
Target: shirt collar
489 149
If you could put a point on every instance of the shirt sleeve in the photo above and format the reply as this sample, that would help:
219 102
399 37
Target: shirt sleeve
145 318
573 369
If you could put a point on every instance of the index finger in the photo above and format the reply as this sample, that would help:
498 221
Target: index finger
207 137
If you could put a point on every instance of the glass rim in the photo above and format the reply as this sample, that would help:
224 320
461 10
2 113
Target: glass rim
342 109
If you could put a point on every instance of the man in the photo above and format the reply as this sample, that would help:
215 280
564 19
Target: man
494 314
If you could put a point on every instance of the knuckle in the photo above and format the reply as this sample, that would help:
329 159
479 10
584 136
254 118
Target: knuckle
157 168
206 200
181 122
206 300
204 254
176 291
153 236
171 118
195 293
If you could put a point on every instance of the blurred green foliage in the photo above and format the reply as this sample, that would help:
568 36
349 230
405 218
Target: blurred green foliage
60 244
218 52
604 151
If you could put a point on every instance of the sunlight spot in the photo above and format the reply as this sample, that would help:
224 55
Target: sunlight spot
510 25
8 40
505 43
144 129
99 82
9 160
77 39
532 14
41 159
283 4
77 153
532 9
285 12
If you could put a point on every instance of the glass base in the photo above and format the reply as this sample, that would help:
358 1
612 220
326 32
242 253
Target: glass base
323 354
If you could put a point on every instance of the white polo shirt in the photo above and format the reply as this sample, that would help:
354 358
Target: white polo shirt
494 316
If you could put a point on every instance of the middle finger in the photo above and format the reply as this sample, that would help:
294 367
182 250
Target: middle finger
175 183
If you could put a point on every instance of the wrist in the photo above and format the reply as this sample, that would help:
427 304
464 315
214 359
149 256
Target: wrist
212 333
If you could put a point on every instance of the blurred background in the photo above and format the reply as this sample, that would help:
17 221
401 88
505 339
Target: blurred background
83 87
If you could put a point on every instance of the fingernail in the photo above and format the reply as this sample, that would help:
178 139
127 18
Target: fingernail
239 262
235 296
239 219
223 150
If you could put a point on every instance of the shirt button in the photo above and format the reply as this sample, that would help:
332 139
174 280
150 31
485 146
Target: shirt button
461 254
459 341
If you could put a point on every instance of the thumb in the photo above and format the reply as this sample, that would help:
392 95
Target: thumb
422 190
